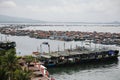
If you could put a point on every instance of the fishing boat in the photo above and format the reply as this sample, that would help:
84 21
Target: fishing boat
7 45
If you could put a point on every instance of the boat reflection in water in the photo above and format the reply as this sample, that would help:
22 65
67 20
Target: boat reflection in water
83 66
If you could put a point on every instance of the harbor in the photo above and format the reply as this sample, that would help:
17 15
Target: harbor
67 49
80 56
87 62
59 40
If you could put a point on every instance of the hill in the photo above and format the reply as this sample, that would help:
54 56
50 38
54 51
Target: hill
9 19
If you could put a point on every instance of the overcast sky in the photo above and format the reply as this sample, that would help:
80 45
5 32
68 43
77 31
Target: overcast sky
63 10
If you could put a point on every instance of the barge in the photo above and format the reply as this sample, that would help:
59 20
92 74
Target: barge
76 56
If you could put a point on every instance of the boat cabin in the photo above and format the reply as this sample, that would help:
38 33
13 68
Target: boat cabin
7 45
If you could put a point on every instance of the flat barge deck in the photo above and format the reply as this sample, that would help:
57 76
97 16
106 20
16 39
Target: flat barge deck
76 56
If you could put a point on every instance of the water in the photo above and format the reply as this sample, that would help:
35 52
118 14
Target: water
113 28
90 71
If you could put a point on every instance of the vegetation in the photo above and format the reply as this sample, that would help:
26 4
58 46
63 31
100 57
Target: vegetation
29 59
22 75
9 67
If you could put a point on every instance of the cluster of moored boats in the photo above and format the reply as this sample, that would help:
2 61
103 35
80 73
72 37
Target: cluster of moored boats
95 37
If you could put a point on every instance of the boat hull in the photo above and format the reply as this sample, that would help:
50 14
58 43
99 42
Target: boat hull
104 56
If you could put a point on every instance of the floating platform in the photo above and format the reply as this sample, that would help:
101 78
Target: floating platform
77 56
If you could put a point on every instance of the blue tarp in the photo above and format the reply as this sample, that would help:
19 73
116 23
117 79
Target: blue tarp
111 52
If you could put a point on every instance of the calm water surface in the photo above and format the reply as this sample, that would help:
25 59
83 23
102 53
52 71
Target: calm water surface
91 71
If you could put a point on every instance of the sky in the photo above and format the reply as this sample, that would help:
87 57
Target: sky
63 10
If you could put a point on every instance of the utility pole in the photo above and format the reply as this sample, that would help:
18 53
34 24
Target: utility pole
1 38
95 46
58 48
71 46
90 44
64 46
6 38
49 48
41 48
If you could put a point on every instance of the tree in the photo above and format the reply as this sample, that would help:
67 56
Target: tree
29 59
10 63
9 67
22 74
3 74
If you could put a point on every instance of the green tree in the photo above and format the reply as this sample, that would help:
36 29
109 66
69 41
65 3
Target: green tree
22 75
28 60
10 63
3 74
9 67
